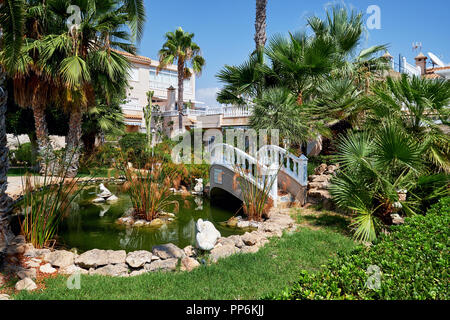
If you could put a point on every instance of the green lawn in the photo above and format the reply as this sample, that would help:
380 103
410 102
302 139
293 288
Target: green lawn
242 276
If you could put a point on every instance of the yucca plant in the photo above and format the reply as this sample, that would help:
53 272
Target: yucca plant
149 189
46 200
255 189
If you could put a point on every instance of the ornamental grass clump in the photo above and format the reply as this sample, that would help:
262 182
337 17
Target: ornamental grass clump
255 188
46 200
149 190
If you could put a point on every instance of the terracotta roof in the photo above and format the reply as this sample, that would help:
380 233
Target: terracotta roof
133 116
135 58
421 56
433 70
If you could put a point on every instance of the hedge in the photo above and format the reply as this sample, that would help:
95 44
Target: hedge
413 260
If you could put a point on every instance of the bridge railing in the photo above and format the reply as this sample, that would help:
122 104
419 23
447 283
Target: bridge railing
250 168
295 167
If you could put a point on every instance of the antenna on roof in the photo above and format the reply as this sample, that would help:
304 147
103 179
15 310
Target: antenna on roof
417 46
435 60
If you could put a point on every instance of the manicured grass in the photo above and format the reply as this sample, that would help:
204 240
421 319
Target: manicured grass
243 276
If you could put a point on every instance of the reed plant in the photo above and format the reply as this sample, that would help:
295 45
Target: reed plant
255 190
46 200
149 189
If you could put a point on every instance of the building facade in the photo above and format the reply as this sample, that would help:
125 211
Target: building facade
143 78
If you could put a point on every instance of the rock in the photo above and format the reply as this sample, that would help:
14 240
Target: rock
222 252
14 249
315 193
168 251
36 253
25 284
189 264
113 270
98 200
397 219
4 297
318 185
156 223
331 169
27 273
72 269
3 280
47 268
92 259
116 257
251 249
190 251
321 178
237 241
140 223
232 222
138 272
139 258
250 239
321 169
243 224
60 258
225 241
32 264
207 235
162 265
19 239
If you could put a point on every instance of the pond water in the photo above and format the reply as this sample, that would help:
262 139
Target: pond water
90 225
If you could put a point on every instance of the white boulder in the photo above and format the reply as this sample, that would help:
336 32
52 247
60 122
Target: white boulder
207 235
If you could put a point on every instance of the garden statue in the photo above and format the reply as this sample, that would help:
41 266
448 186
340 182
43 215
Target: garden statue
105 195
207 235
198 189
199 202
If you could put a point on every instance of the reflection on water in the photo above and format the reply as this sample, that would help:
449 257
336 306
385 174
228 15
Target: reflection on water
90 226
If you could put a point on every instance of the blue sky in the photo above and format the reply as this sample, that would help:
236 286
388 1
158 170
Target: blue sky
225 29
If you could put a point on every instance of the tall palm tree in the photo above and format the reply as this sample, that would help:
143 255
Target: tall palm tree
179 47
11 28
260 24
80 62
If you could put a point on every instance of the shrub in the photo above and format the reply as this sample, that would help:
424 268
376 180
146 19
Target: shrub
24 154
413 260
105 156
134 145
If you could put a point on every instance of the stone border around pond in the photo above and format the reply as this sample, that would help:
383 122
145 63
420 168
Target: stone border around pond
117 263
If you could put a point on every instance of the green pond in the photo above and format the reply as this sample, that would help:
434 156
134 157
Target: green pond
90 225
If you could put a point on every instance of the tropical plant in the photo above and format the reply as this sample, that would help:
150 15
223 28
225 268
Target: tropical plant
47 199
376 166
147 110
179 47
11 28
421 107
77 64
256 201
277 109
149 189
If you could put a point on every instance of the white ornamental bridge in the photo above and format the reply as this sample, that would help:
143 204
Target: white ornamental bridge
288 171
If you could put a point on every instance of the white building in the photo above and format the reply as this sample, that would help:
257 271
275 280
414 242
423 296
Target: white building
144 78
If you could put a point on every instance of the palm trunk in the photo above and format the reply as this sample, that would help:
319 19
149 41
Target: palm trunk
44 146
180 93
73 144
260 24
5 200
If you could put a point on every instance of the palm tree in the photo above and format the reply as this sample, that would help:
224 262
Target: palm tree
11 28
260 24
179 47
81 63
278 109
420 106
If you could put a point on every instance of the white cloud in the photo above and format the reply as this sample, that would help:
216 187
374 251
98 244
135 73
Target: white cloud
208 96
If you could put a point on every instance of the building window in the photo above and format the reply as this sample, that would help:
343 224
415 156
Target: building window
165 79
134 74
